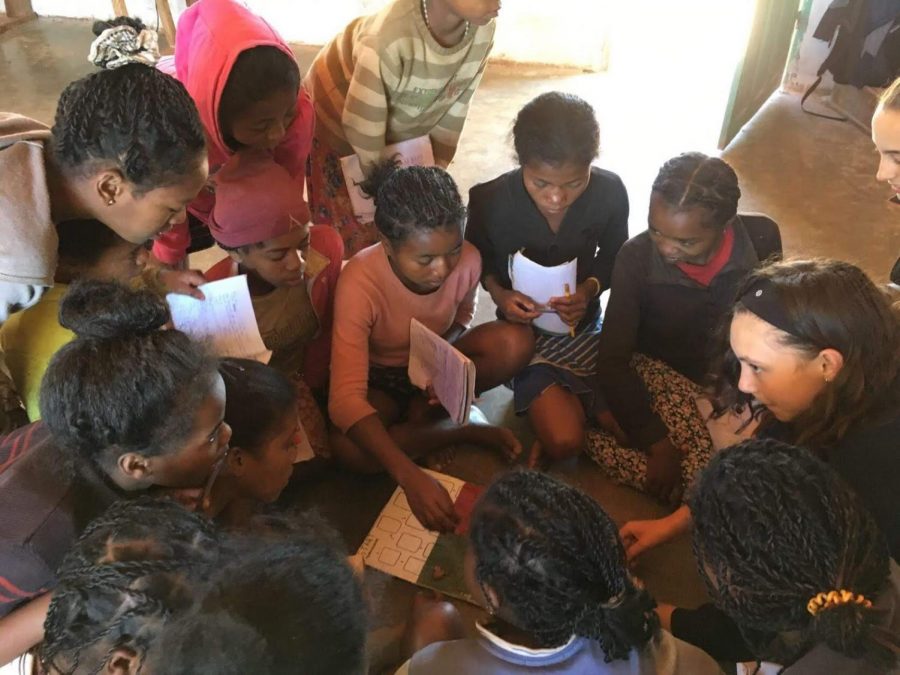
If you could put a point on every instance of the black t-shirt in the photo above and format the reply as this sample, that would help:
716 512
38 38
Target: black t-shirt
503 220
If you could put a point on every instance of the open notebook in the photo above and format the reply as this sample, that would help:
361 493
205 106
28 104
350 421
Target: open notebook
414 152
434 361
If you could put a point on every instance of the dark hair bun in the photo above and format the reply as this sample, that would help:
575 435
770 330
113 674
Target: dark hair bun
100 26
106 310
378 175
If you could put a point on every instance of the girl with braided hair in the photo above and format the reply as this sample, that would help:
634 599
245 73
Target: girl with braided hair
422 269
127 408
671 287
791 554
546 561
134 569
126 148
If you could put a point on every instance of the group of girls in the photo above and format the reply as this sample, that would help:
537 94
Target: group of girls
803 351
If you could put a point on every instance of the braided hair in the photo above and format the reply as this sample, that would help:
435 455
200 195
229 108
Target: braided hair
555 559
122 385
286 595
694 180
762 568
131 569
135 118
556 128
413 198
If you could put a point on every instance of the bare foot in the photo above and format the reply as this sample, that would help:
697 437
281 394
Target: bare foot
499 439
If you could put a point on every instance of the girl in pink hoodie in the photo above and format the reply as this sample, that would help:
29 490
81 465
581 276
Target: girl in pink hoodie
246 83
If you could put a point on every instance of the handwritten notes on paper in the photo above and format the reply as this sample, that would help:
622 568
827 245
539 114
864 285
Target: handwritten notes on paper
225 319
542 283
414 152
451 374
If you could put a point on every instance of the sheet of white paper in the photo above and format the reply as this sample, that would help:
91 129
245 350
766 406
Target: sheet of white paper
414 152
225 319
542 283
434 361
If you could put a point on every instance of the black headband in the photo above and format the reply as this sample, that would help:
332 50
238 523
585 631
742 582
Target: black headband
762 299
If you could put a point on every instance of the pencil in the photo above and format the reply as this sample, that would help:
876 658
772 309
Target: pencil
569 295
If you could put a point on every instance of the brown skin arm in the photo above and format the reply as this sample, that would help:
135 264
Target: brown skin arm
428 500
23 628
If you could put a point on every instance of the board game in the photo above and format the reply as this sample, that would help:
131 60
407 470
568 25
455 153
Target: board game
399 545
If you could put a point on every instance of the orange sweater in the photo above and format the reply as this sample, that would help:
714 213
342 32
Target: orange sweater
372 311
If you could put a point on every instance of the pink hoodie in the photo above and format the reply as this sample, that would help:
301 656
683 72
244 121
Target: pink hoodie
211 35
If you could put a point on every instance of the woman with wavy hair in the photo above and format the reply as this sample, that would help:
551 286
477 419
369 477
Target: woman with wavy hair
813 350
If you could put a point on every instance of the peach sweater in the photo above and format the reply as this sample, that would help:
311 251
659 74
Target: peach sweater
372 312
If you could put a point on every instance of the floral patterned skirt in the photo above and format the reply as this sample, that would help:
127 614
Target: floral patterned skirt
329 200
673 397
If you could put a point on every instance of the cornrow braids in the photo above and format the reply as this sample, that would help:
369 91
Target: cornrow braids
761 568
132 568
135 118
693 180
413 198
555 559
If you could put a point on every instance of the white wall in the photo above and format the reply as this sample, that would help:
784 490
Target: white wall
561 32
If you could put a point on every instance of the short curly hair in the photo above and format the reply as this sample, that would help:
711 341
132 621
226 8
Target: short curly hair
556 128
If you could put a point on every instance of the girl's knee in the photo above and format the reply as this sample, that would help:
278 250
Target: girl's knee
515 344
561 443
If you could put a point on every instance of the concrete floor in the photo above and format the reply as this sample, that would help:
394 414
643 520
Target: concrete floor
814 176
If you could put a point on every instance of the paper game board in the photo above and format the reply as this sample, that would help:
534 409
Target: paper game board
400 546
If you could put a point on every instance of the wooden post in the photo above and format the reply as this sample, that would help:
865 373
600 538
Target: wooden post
19 9
119 8
168 24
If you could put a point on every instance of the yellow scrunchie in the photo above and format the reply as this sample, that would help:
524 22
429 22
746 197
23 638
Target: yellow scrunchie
822 601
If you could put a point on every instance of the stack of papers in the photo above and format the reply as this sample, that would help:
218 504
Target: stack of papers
451 374
542 283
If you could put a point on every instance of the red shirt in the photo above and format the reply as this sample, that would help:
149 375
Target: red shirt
704 274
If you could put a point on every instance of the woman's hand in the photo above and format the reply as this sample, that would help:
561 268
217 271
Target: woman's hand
639 536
